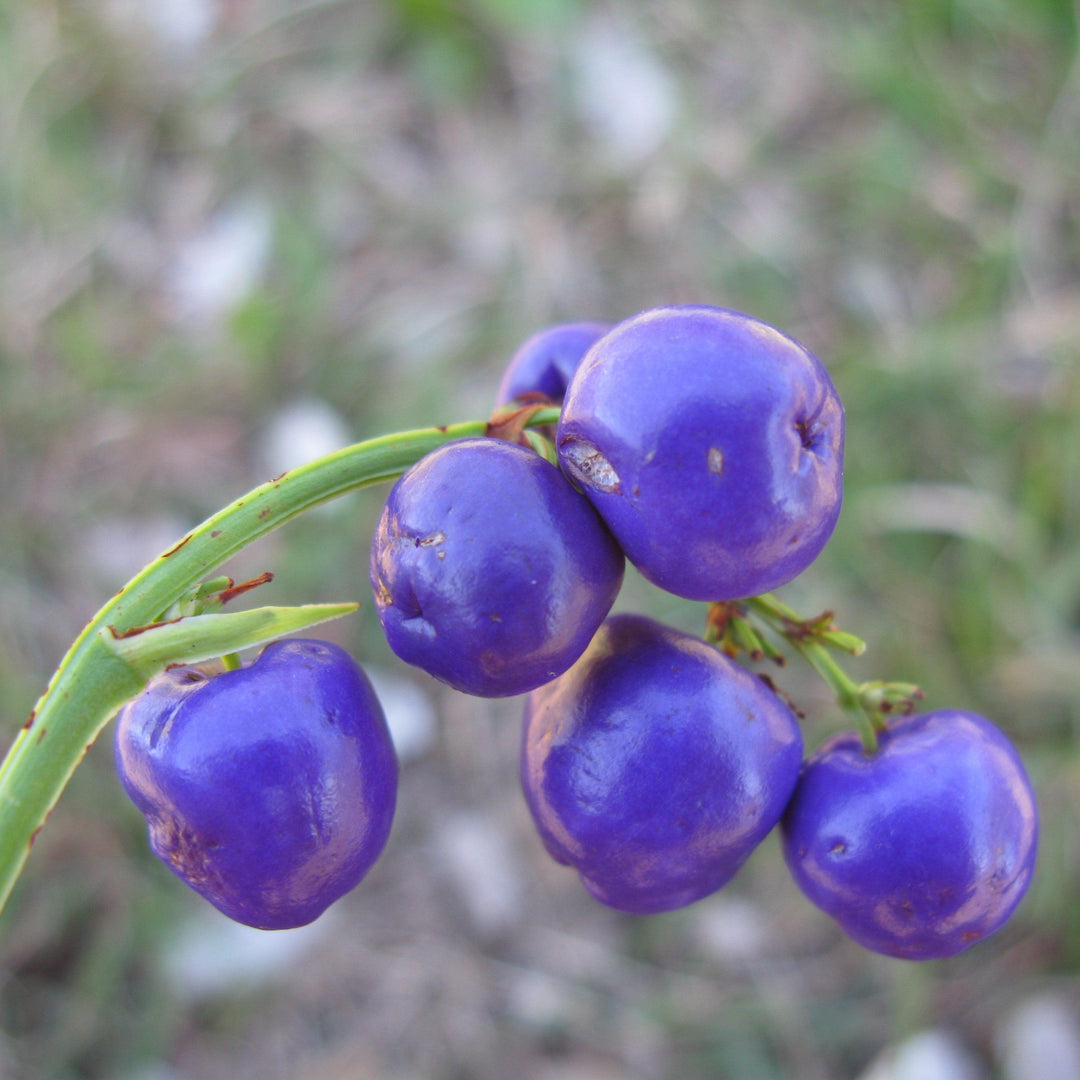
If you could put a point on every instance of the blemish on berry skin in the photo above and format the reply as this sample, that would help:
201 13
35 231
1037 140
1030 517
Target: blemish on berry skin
161 731
431 541
491 662
382 593
809 433
715 459
588 465
838 848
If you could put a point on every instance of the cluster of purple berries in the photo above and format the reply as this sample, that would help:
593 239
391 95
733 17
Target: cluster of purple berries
706 448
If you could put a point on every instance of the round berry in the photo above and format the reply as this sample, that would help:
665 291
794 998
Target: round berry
655 765
545 363
711 444
923 848
489 570
270 789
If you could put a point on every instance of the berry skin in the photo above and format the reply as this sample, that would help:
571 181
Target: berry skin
545 363
270 789
489 570
655 765
711 444
923 848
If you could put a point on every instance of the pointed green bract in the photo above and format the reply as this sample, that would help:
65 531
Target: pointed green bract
150 650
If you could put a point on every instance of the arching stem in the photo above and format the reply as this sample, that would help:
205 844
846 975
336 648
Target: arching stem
93 681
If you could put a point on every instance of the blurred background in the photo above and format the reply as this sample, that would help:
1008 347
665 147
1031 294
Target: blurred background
237 233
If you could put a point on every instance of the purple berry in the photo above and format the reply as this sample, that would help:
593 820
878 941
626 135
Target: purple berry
489 570
269 789
711 444
923 848
655 765
545 363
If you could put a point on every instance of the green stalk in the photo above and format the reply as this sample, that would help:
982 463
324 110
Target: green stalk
93 682
848 693
843 687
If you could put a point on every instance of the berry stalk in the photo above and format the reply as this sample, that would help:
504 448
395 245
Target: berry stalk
865 704
92 681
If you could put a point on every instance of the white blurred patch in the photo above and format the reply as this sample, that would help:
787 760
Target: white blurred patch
409 711
219 266
869 288
622 92
157 1071
175 26
542 1002
301 432
212 955
117 547
180 24
1039 1040
928 1055
584 1065
485 239
477 855
954 509
731 930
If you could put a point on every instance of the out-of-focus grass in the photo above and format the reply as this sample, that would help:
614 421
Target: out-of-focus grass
399 194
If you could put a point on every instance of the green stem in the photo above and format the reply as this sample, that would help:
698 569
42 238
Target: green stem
782 619
92 682
844 689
